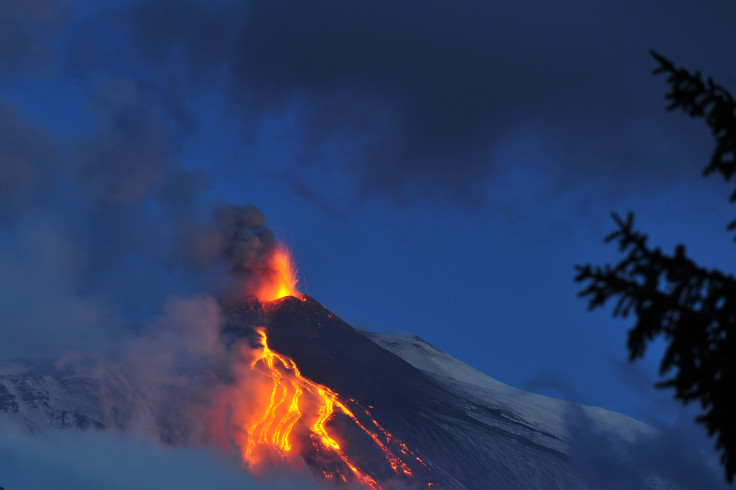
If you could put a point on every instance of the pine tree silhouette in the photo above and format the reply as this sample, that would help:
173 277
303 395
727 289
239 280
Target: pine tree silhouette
692 307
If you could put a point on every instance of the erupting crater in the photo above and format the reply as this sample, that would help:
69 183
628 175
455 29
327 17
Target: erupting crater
278 279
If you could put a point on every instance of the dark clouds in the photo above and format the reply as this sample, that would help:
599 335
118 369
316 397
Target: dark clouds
29 154
414 97
132 144
103 268
101 220
27 32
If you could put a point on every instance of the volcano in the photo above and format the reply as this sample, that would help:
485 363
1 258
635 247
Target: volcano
451 425
395 412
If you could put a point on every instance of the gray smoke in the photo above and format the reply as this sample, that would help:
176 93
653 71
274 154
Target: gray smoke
241 237
112 263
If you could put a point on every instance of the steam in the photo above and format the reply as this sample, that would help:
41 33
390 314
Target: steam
114 266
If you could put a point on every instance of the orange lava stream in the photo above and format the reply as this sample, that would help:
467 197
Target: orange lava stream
283 410
294 397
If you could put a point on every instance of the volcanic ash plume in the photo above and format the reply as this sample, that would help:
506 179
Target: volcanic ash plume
200 370
256 266
173 365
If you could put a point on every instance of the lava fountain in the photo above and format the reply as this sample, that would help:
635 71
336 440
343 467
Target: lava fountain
276 414
278 279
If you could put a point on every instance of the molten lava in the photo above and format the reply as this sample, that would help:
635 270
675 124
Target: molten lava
294 399
276 414
278 280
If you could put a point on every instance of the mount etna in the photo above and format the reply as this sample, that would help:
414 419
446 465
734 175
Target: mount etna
366 409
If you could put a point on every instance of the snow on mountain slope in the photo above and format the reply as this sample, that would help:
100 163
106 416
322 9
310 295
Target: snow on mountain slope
609 450
474 431
543 412
40 402
38 396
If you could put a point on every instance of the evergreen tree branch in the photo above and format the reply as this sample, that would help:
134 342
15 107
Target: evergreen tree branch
693 308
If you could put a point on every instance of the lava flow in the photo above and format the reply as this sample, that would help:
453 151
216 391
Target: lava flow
284 416
273 428
293 398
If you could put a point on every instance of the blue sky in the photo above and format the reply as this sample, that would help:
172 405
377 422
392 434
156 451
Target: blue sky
436 168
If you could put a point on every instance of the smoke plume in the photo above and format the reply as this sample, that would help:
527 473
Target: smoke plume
114 264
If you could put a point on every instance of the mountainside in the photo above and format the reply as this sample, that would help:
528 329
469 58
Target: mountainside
41 401
465 429
473 431
40 396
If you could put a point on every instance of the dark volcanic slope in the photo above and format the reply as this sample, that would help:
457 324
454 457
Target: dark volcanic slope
439 427
472 431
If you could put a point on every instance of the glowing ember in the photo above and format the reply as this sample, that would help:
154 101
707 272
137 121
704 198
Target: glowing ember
280 279
295 401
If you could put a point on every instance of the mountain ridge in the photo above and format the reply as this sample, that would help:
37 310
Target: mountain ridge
473 431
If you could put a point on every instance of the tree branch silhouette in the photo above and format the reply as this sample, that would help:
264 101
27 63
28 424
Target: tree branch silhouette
691 307
706 99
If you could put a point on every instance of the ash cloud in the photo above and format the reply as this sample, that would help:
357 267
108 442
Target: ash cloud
104 270
113 269
241 237
416 100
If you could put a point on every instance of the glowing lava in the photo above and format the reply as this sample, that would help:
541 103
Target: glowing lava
276 415
294 398
279 279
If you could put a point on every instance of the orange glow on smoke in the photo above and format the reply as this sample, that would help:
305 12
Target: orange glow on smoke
280 280
292 407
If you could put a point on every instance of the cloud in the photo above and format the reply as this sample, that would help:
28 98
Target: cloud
91 226
667 454
27 31
133 144
607 459
28 158
94 460
416 100
425 101
41 311
101 229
